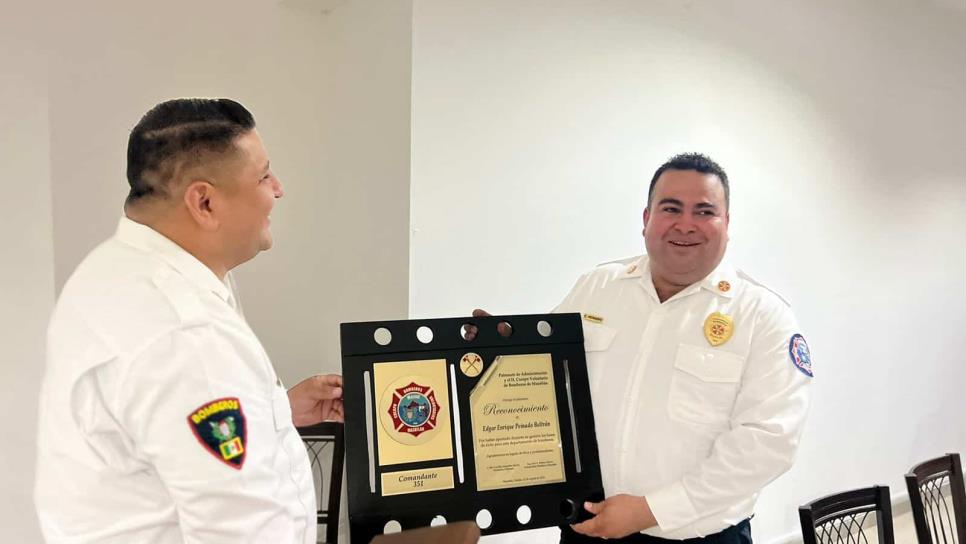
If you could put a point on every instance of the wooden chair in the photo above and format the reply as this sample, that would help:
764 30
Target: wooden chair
841 518
325 444
938 500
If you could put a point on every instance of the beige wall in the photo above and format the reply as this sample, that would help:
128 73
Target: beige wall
330 92
26 266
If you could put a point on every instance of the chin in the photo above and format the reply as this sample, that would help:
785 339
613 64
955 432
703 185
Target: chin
266 242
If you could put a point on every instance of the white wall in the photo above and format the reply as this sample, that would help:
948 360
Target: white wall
537 125
26 265
330 93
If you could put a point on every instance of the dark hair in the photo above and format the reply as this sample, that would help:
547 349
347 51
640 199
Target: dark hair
692 161
178 133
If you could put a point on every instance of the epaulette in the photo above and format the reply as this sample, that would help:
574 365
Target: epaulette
624 261
744 275
183 299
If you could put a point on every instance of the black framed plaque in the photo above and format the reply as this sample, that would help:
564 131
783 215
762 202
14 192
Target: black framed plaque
497 429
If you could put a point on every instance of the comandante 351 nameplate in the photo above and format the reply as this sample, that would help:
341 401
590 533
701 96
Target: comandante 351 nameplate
417 481
516 434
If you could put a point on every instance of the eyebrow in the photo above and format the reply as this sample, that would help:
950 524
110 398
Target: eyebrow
698 206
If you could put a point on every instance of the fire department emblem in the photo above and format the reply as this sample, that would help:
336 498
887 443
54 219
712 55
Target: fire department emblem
219 426
801 356
718 328
413 409
471 365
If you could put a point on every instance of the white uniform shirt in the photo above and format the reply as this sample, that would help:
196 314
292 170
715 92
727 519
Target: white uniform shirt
697 429
142 337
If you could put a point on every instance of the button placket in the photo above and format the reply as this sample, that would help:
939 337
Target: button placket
628 416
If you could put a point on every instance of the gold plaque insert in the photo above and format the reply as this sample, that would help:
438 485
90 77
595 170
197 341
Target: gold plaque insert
413 412
516 431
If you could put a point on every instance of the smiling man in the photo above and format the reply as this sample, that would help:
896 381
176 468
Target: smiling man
699 374
161 417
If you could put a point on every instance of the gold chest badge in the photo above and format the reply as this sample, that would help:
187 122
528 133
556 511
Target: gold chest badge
718 328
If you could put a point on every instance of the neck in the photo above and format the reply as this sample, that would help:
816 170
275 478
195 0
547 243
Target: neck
183 232
666 289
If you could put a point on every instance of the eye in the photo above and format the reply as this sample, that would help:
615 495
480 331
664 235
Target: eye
707 213
670 209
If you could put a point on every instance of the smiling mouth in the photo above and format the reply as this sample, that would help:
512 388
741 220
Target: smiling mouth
683 244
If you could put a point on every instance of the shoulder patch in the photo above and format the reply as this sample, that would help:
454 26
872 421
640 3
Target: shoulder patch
801 357
219 426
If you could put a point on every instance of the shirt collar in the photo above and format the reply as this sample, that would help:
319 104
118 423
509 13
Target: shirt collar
721 281
147 239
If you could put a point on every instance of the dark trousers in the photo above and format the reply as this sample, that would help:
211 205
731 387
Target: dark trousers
736 534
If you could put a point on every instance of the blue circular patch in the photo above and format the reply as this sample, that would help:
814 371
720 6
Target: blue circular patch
798 350
414 409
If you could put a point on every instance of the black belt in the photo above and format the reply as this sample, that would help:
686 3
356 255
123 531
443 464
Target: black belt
736 534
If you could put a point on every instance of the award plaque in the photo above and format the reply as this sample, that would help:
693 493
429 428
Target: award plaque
444 425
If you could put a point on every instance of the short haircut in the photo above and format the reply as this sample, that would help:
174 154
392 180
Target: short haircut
692 161
177 134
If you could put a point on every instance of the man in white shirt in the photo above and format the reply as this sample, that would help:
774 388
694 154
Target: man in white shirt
699 374
162 419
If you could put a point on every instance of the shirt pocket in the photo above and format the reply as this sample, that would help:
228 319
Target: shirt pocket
597 337
281 409
704 385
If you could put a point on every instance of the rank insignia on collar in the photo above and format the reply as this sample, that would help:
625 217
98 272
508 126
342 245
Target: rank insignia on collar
220 427
718 328
801 356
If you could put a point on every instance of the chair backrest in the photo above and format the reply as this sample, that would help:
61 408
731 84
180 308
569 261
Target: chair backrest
325 444
938 500
842 518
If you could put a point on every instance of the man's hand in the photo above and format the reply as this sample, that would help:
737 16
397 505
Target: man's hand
316 399
616 517
469 331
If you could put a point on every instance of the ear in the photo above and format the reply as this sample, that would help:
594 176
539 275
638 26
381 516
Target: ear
198 196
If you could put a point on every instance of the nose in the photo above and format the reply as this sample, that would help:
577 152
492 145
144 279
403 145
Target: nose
279 190
685 224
